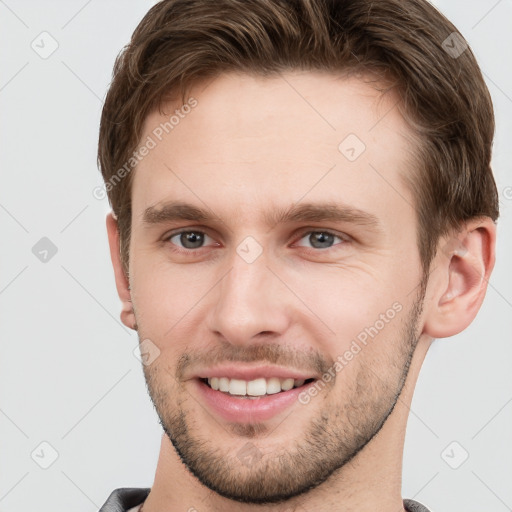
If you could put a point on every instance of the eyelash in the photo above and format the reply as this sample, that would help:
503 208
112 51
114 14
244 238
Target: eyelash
192 252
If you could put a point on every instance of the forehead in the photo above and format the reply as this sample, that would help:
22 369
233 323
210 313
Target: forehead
251 141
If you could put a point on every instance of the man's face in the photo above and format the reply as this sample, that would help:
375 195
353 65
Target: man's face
242 295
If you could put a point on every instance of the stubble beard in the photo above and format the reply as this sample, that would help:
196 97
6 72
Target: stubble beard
334 435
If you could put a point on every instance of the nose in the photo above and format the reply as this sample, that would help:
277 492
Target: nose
251 301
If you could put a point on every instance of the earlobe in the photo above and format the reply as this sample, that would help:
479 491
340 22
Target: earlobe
122 282
465 263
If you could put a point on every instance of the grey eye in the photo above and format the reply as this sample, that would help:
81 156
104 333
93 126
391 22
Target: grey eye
189 239
320 239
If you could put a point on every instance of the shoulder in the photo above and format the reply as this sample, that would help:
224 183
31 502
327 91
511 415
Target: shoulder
125 498
414 506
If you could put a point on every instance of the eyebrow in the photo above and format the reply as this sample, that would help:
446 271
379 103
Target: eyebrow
304 212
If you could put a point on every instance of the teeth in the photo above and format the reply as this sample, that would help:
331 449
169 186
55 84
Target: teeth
237 387
223 384
287 384
273 386
257 387
253 388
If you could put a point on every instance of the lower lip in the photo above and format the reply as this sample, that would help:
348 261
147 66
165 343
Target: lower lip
248 410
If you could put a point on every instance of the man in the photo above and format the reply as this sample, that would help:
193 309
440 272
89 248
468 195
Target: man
302 201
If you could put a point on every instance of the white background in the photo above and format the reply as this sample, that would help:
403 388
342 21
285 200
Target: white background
68 376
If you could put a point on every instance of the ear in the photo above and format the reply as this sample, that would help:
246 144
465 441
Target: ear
122 283
463 266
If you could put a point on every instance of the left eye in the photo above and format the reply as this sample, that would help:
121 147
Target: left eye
321 239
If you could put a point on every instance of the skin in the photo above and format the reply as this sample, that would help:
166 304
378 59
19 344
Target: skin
252 145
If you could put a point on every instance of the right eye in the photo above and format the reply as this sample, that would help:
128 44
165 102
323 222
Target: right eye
187 240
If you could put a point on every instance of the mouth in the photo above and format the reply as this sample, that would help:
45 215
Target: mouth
255 388
249 401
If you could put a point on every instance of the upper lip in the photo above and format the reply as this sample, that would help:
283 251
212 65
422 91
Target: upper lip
246 372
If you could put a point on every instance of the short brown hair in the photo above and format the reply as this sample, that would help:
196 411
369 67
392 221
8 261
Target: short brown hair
442 94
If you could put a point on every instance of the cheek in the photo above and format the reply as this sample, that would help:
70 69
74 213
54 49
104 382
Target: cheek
170 302
365 314
347 299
